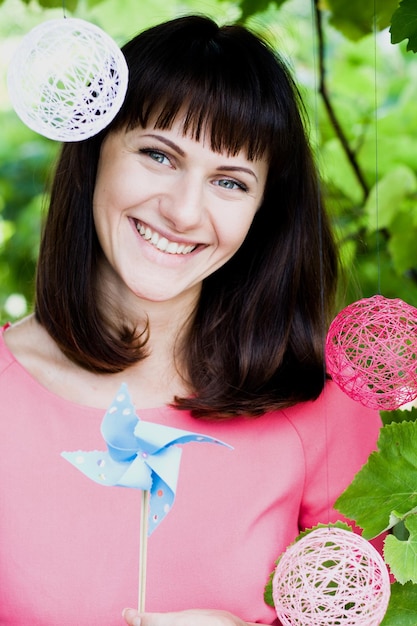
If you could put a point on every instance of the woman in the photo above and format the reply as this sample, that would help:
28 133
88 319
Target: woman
186 252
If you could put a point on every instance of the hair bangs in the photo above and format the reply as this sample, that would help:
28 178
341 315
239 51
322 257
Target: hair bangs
230 122
212 87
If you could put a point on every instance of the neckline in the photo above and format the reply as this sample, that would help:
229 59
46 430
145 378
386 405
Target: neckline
34 382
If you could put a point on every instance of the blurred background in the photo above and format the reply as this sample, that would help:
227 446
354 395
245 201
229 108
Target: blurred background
360 90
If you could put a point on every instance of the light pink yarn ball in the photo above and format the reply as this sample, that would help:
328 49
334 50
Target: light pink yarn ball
331 577
371 352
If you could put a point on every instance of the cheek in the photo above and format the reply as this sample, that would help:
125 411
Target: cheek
233 230
106 205
101 193
112 192
115 180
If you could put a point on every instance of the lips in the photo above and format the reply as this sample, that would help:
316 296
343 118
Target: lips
162 243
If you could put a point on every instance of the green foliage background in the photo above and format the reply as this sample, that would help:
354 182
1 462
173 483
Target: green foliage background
370 181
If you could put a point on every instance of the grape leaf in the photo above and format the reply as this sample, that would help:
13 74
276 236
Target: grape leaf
402 607
384 491
404 24
399 415
401 556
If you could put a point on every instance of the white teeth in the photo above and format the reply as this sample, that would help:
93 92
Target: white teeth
172 248
162 243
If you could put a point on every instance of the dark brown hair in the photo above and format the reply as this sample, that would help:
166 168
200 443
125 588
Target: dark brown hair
256 342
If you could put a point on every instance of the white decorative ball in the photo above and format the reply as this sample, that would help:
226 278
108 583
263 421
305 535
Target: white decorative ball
331 577
67 79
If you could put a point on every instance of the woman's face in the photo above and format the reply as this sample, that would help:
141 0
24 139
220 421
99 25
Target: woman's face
169 211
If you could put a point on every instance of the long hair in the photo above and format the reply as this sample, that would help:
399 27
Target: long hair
256 342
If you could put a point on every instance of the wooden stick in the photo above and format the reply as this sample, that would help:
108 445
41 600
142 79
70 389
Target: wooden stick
143 550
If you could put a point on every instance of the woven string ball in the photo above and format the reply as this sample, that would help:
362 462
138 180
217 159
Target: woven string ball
371 352
67 79
331 577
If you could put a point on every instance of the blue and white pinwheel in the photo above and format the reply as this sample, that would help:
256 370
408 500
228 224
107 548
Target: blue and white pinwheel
140 454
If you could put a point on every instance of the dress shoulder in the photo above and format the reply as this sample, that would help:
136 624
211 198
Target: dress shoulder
337 435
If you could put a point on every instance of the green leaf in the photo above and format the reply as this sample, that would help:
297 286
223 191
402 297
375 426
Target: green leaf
388 194
70 5
402 242
268 599
404 24
401 556
402 607
249 7
307 531
7 230
338 172
409 415
355 18
385 489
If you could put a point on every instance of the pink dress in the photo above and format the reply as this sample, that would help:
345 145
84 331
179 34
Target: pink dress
69 547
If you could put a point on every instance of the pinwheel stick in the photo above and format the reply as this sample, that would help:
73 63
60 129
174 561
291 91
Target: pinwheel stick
143 549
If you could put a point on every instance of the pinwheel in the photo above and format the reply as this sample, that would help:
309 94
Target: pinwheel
141 455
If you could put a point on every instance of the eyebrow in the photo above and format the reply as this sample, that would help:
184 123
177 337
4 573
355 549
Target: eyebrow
238 168
180 151
167 142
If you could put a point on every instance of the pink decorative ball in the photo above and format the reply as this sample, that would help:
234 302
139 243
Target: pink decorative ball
331 577
371 352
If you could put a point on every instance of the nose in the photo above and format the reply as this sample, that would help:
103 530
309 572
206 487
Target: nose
183 206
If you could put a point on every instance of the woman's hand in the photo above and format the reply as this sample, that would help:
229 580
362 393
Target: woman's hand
192 617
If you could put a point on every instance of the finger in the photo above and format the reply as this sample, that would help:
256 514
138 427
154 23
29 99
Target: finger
131 617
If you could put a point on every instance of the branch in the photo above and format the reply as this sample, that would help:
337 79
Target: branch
329 108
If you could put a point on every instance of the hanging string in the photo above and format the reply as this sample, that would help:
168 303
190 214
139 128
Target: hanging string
64 10
329 557
377 240
315 26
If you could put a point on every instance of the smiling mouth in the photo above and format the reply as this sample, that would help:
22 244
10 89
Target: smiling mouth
162 243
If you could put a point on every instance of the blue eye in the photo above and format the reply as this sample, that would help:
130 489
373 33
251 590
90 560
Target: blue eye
155 155
228 183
